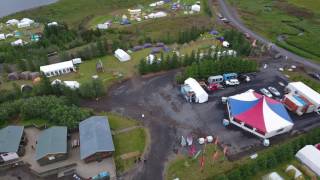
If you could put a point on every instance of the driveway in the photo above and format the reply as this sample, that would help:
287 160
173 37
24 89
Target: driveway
233 17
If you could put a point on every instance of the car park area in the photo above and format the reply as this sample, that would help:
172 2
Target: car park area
170 116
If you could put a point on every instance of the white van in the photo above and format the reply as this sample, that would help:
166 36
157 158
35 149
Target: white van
215 79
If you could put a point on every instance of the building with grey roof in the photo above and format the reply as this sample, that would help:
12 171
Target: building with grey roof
95 139
52 145
11 138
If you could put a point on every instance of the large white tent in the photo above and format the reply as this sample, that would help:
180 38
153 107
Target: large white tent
201 95
58 68
310 156
122 55
258 114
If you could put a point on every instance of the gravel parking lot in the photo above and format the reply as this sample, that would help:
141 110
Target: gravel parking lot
169 116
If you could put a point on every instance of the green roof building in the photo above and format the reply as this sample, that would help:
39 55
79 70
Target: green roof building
10 139
52 145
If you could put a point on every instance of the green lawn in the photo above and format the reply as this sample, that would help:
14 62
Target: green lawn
184 167
118 122
290 17
298 76
37 122
131 141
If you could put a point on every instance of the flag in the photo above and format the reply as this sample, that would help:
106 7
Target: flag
215 155
202 162
216 141
225 149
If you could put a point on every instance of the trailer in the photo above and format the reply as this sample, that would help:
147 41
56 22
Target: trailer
302 93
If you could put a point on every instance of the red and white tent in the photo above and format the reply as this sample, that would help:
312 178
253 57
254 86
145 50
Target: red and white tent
259 114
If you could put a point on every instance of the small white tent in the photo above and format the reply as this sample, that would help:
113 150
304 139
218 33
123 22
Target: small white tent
201 95
25 22
58 68
53 24
310 156
76 61
12 22
72 84
272 176
2 36
195 8
102 26
122 55
18 42
159 14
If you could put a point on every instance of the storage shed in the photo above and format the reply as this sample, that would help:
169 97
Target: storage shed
95 139
122 55
11 139
52 145
58 68
310 156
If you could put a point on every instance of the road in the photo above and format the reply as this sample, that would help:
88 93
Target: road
234 19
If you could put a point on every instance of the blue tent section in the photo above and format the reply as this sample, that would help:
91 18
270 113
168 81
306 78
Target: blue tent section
280 110
237 106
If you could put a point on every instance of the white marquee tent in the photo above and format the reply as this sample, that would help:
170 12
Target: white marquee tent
2 36
122 55
201 95
310 156
58 68
12 22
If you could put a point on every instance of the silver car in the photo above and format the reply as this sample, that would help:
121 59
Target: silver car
266 92
274 91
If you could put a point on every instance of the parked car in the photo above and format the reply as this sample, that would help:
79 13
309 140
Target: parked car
274 91
266 92
225 20
232 82
244 78
315 76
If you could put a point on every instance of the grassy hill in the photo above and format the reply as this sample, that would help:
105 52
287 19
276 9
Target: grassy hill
297 21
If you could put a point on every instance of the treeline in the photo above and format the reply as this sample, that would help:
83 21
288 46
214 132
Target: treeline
270 159
91 89
238 42
53 109
200 64
192 34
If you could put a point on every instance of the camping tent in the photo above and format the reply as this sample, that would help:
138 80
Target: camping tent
122 55
272 176
157 15
195 8
200 93
310 156
258 114
18 42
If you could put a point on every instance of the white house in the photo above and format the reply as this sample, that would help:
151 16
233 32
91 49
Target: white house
122 55
18 42
195 8
200 94
2 36
12 22
310 156
58 68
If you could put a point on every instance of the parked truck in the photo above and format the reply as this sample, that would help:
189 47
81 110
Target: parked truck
301 99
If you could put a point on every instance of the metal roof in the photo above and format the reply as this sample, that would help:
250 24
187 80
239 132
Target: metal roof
95 136
10 138
52 141
56 66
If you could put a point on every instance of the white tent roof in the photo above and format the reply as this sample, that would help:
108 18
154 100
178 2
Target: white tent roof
56 67
27 20
17 42
201 94
272 176
310 156
12 21
157 14
2 36
72 84
122 55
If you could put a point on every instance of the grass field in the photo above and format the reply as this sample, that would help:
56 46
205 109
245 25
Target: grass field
75 12
298 20
131 141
